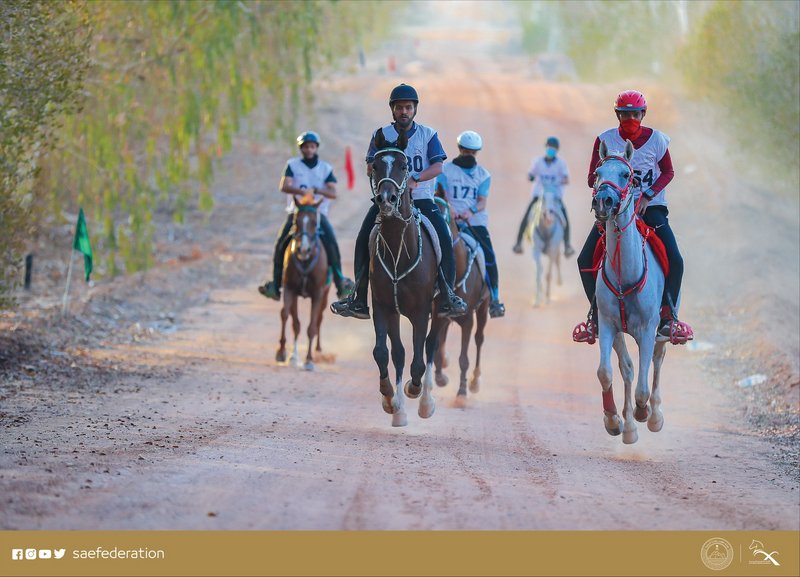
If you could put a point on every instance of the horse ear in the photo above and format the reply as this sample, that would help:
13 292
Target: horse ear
402 141
380 139
439 190
316 204
628 150
603 150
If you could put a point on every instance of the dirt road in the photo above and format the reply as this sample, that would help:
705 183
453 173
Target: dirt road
209 433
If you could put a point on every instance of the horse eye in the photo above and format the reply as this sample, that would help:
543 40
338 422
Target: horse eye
626 175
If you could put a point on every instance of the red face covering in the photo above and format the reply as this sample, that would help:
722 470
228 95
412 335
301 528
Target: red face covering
630 128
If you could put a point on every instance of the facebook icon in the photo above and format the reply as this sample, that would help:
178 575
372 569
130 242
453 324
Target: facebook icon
16 554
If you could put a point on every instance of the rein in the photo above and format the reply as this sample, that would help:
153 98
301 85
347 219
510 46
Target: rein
303 268
616 258
381 241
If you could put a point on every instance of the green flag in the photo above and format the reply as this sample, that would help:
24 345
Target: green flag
82 245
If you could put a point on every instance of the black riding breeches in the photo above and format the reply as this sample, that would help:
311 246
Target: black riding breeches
281 244
526 219
657 217
361 257
481 234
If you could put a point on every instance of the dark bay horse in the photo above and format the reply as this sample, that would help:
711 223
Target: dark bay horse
403 274
472 287
305 274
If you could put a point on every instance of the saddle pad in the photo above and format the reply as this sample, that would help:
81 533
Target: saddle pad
476 252
658 248
427 228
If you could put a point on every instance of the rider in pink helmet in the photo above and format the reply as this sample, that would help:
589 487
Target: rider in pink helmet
653 169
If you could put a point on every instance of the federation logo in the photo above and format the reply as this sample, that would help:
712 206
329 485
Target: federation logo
716 554
761 556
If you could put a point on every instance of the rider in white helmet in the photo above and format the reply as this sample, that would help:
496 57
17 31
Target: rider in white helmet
548 172
308 178
466 185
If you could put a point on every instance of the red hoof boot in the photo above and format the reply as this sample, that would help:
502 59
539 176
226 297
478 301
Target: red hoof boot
585 332
674 331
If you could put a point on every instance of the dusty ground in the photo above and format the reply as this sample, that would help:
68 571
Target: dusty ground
156 403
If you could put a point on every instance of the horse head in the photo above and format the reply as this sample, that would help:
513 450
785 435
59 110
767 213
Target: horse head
613 180
390 176
440 198
547 208
306 229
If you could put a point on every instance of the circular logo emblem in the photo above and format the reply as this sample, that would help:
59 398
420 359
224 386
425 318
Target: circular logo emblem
716 554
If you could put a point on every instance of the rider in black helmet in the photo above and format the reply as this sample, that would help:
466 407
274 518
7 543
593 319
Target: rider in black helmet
425 157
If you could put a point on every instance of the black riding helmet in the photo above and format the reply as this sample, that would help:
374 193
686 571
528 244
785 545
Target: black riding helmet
403 92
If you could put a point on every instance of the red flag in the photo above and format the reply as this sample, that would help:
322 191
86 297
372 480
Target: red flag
391 64
348 167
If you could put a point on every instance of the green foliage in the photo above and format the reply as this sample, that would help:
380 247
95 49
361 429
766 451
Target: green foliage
745 56
42 62
168 85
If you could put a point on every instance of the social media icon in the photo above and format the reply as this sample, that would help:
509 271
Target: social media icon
16 554
59 553
45 554
30 553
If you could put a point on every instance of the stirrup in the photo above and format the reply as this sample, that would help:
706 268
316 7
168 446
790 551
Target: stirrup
568 251
454 306
674 331
270 290
585 332
350 307
518 248
497 309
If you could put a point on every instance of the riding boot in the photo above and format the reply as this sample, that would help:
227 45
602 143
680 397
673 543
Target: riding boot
568 250
496 308
355 304
449 304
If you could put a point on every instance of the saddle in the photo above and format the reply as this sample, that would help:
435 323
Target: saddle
659 251
426 226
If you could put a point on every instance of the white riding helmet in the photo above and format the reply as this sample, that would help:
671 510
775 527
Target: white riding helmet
470 140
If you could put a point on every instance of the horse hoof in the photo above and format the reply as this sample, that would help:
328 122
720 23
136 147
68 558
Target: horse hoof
412 391
655 422
386 403
613 431
613 428
294 361
630 437
460 402
426 410
309 366
399 420
641 414
475 385
442 380
445 361
280 356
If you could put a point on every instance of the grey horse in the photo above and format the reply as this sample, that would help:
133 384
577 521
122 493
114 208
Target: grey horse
628 294
547 234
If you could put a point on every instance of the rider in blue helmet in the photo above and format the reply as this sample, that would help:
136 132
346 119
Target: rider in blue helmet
548 171
308 178
425 157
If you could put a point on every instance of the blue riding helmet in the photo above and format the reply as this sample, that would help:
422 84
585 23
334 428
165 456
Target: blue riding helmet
403 92
552 141
308 136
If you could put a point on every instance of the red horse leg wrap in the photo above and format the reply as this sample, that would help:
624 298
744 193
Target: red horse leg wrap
608 401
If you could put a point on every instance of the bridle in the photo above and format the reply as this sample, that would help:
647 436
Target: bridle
401 186
623 191
299 234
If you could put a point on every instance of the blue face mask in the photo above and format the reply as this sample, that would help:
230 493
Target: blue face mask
551 152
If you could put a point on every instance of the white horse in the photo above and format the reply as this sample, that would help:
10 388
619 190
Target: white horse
629 289
547 234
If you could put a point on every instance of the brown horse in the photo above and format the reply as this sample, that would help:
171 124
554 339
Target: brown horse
472 287
403 273
305 274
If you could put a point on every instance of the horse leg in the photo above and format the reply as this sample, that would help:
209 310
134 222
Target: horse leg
626 370
604 374
439 359
537 258
420 329
463 360
399 418
313 330
295 358
280 354
656 420
481 315
646 343
548 279
322 307
558 267
381 355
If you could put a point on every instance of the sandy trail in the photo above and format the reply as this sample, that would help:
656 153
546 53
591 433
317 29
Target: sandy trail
236 442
